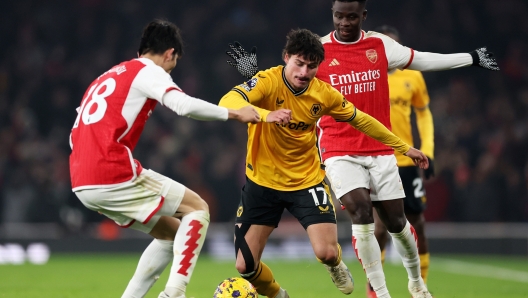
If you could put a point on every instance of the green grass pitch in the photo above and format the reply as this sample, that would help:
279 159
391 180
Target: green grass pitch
106 275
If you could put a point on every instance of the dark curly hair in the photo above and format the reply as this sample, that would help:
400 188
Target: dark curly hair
305 43
159 36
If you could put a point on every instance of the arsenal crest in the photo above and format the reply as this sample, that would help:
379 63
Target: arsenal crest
372 55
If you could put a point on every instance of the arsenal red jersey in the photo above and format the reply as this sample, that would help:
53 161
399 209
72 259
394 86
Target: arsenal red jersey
359 71
110 120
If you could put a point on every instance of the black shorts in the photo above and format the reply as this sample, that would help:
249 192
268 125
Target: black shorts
264 206
415 200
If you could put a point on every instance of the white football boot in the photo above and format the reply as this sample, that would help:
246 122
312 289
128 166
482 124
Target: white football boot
341 277
282 294
419 290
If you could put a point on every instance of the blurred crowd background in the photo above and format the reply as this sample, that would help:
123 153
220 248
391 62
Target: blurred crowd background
51 50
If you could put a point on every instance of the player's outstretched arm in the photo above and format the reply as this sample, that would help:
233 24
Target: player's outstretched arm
481 57
245 114
244 62
374 129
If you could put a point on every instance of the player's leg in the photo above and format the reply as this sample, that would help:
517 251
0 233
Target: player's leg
418 222
154 260
387 196
380 231
405 242
258 214
146 204
188 241
314 208
350 181
414 206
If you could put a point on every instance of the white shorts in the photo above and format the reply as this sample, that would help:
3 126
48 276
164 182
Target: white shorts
377 173
138 204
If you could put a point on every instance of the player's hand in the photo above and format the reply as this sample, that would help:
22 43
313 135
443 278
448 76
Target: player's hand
244 62
245 114
282 116
483 58
418 158
429 172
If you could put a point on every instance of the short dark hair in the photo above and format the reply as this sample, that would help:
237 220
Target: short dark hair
305 43
159 36
386 29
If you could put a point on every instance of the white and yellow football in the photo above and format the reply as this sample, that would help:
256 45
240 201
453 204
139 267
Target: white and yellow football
235 287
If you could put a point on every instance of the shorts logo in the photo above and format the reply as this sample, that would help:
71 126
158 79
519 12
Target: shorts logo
372 55
316 109
239 211
324 209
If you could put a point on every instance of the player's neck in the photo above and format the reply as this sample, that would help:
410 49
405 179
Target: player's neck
157 59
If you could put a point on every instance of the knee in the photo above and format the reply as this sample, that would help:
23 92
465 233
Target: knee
327 255
396 224
202 205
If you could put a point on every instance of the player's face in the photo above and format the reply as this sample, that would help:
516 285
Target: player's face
348 19
299 71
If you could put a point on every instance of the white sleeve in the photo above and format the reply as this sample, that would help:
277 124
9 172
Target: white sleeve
424 61
153 82
185 105
398 56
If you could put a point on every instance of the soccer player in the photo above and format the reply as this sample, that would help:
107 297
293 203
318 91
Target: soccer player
363 172
107 179
407 90
283 168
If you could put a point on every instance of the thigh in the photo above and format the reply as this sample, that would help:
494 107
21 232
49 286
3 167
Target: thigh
415 200
322 236
259 205
385 182
312 205
347 173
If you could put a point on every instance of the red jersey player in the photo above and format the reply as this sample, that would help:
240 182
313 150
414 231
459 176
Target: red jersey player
363 172
106 177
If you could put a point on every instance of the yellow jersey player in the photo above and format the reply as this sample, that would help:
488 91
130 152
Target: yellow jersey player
407 91
283 168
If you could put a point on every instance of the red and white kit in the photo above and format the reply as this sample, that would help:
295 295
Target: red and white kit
110 120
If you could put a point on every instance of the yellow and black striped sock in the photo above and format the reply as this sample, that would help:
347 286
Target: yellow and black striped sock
424 266
264 281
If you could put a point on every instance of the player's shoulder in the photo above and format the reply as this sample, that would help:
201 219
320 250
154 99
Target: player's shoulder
375 34
327 38
271 74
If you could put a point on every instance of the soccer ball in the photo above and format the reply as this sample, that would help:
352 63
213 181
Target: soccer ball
235 287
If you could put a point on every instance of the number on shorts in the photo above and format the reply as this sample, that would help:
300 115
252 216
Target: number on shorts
314 195
95 98
418 187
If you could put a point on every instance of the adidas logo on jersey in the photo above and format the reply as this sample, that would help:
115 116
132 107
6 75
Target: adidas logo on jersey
334 62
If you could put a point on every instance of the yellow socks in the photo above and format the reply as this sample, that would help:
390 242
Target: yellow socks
424 266
264 282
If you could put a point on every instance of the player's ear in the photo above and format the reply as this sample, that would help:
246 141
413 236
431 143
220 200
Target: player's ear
286 58
364 14
169 54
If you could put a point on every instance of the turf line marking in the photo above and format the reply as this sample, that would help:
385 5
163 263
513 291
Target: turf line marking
465 268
